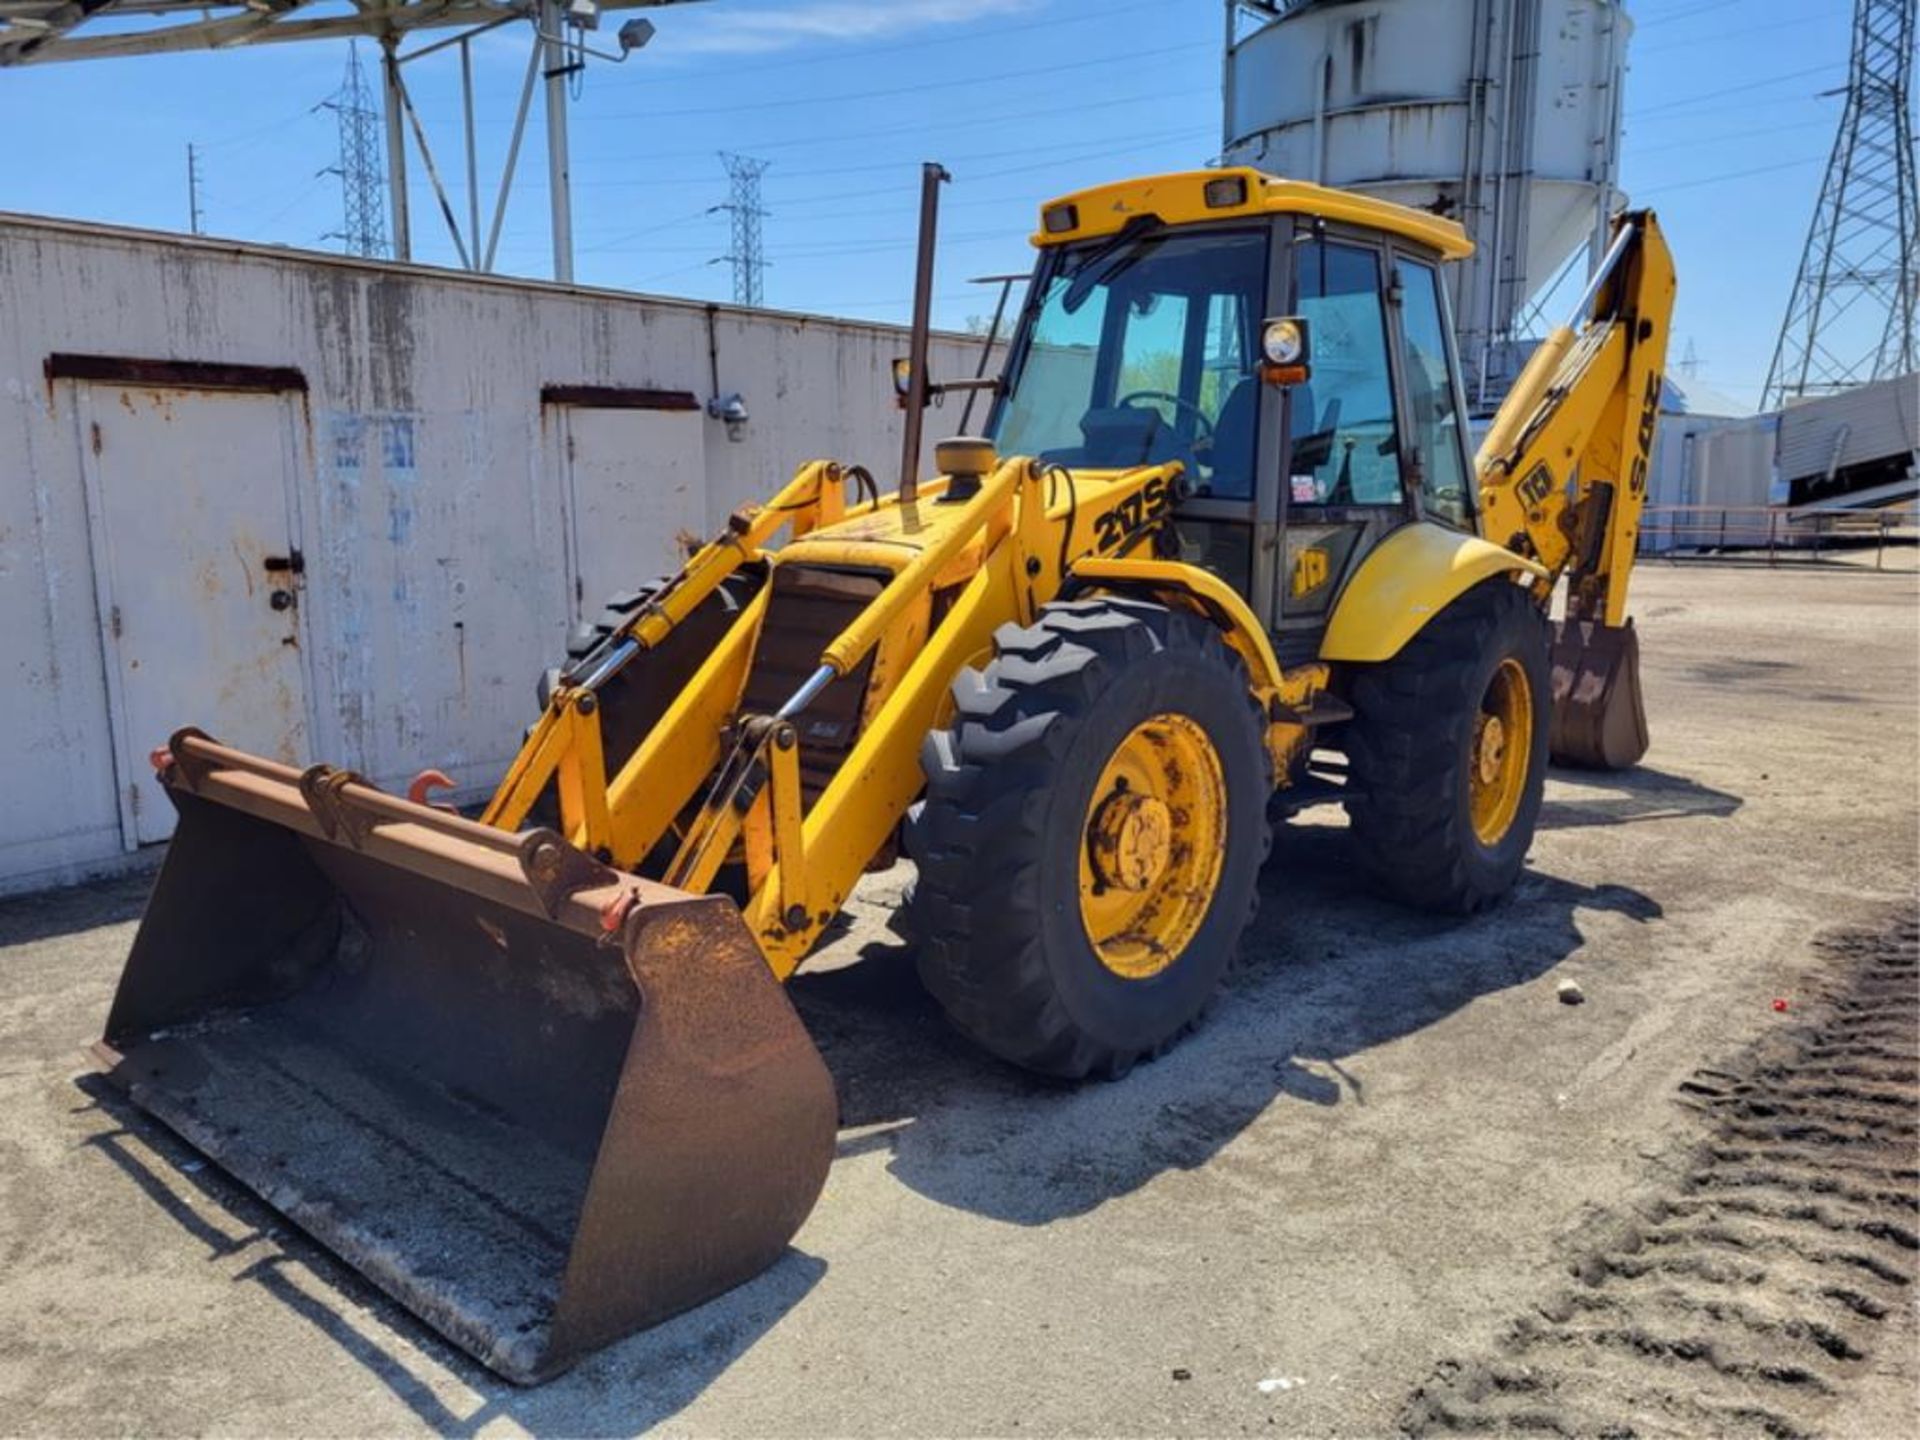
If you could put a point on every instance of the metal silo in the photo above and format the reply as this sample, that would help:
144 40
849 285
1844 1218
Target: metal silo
1503 114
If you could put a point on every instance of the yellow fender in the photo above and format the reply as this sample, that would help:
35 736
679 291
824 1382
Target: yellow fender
1207 590
1411 576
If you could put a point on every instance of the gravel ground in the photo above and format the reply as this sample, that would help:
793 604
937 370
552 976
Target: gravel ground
1392 1183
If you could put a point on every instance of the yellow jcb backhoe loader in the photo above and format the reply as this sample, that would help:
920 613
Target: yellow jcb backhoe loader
1225 553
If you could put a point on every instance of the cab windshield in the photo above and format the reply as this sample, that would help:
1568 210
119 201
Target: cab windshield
1142 350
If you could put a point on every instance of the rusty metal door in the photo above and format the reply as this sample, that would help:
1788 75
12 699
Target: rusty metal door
198 570
635 484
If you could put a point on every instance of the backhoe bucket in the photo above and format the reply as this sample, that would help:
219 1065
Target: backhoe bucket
540 1103
1599 721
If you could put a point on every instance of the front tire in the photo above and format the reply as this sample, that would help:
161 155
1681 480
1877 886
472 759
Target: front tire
1448 753
1093 832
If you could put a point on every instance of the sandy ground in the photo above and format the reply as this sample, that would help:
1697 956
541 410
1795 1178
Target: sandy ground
1388 1141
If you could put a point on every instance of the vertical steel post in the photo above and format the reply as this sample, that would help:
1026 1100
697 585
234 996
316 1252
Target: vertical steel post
473 157
559 180
931 177
396 148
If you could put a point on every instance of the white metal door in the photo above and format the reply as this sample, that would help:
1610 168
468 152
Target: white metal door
198 570
636 482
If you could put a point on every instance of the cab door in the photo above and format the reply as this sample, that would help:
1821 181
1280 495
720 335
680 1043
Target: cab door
1344 470
1440 463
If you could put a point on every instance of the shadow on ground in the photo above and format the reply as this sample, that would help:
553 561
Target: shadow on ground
1633 795
655 1374
1327 971
50 914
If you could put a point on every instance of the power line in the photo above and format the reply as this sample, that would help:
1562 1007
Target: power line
747 257
967 82
363 225
1687 14
1689 101
1850 319
918 45
1125 142
1722 175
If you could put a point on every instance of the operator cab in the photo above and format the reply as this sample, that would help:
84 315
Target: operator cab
1140 343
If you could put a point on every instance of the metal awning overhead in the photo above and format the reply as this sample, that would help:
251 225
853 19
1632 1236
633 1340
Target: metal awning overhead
38 31
561 34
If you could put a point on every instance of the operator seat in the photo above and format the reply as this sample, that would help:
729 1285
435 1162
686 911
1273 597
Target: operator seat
1233 443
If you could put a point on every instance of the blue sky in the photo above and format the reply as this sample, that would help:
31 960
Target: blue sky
1727 133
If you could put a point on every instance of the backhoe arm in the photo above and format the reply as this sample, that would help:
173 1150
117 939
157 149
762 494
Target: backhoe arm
1563 479
1563 471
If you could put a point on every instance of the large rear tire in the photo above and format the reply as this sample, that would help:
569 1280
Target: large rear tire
1093 832
1448 749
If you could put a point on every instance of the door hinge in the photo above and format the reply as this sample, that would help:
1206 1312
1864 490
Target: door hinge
113 622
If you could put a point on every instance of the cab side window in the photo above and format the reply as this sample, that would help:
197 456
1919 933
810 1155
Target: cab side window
1346 448
1434 424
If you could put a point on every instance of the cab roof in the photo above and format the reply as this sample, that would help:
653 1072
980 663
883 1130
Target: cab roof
1180 198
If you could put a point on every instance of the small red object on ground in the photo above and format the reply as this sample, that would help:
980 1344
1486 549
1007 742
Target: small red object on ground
1780 1005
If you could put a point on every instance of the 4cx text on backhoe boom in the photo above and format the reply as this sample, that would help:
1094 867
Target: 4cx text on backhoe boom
1224 554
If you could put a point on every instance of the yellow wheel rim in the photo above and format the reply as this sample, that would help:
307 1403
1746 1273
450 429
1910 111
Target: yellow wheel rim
1153 846
1502 747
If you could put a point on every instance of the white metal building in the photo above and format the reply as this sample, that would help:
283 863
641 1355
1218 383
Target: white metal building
329 509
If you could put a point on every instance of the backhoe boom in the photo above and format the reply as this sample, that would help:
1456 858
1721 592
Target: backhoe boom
1563 480
1563 470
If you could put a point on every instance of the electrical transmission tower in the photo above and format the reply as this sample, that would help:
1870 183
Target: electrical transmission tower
363 229
747 258
1851 318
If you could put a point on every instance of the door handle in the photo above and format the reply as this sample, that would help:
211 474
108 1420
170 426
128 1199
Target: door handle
291 563
281 599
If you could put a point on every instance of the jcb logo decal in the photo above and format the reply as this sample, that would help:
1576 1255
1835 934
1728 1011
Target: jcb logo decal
1149 502
1535 486
1311 568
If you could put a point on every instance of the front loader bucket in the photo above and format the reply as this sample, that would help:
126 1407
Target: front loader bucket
1599 720
540 1103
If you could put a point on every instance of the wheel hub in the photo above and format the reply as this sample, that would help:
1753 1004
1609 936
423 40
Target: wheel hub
1490 748
1153 845
1503 735
1132 836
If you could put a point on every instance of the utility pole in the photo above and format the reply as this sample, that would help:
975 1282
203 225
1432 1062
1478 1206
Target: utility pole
363 229
559 68
394 103
747 257
193 190
1851 317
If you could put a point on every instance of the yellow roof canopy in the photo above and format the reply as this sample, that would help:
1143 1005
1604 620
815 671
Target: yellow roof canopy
1183 198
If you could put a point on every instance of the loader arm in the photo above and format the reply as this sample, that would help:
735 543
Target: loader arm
720 774
1563 470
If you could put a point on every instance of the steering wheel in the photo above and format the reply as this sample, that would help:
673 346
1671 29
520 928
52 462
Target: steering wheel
1205 433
